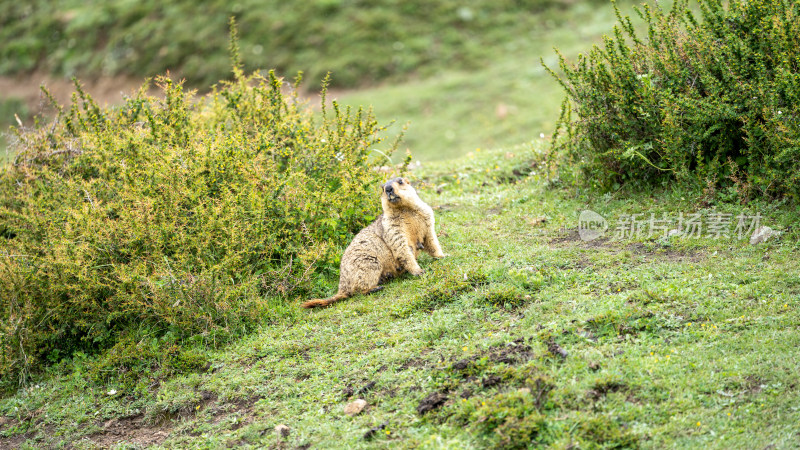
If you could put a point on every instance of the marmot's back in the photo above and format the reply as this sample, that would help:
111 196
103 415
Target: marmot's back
367 255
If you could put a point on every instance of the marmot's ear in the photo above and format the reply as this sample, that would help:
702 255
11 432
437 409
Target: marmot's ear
405 180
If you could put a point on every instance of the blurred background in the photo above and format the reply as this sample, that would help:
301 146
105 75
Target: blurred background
464 75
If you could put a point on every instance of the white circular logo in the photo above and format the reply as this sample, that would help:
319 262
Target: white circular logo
591 225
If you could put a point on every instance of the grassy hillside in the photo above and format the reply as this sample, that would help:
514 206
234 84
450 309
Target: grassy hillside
481 86
507 99
164 219
525 332
360 41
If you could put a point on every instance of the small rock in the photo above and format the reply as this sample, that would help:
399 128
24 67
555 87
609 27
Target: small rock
762 234
282 430
355 407
674 232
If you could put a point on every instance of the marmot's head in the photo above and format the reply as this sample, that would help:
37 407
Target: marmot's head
397 191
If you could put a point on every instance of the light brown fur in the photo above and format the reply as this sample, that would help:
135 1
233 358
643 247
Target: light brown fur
388 246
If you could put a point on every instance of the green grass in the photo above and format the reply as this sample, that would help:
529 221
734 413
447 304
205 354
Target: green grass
384 40
670 343
507 100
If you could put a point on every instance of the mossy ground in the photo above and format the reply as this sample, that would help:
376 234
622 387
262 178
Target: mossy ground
668 343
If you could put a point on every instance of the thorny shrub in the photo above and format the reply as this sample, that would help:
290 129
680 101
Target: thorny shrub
705 100
175 214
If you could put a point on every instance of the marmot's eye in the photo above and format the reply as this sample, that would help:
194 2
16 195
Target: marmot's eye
400 182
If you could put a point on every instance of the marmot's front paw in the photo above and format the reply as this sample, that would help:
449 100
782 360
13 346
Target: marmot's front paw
441 255
417 272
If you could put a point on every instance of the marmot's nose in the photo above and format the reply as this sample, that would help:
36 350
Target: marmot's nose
389 189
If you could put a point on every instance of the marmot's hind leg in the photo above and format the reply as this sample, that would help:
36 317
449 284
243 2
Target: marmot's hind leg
367 282
363 274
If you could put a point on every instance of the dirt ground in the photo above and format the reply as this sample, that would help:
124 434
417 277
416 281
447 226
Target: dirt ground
106 91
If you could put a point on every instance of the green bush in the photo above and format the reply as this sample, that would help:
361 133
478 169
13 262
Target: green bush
135 362
181 215
706 100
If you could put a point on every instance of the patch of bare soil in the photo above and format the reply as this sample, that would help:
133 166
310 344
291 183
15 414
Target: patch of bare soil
143 433
106 91
572 236
654 251
565 237
130 430
664 252
38 432
754 384
13 441
350 390
245 408
371 432
604 388
431 402
512 353
417 361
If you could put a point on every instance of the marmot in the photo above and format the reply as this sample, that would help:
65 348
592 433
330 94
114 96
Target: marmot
388 246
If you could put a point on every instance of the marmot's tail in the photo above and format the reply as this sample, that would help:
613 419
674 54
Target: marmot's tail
325 301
